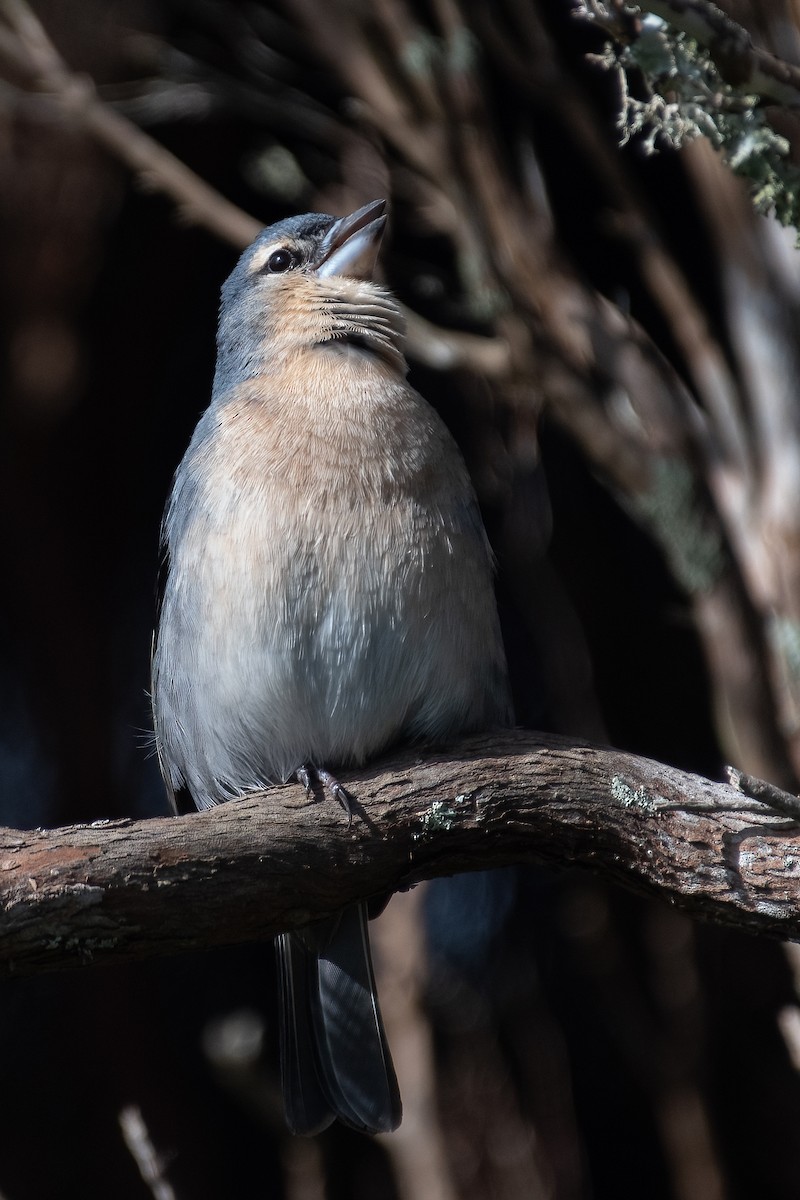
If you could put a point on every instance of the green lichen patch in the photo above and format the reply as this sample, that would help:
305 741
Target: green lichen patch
686 97
636 798
439 817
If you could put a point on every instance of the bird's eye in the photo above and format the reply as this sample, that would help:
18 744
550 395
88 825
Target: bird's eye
281 260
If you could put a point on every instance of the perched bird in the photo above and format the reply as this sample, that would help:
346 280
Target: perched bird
328 593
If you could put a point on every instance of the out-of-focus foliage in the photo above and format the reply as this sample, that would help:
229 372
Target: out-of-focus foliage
688 98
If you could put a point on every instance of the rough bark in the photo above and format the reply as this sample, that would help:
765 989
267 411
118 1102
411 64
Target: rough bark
128 889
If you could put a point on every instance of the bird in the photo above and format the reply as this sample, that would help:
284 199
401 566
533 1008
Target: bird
328 593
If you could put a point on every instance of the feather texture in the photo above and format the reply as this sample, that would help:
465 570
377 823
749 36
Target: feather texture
328 592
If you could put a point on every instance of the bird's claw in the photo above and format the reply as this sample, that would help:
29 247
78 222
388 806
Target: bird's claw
303 777
330 784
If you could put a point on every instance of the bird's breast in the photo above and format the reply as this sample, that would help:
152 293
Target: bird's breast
329 578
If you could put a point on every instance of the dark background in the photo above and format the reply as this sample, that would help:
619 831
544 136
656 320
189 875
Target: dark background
554 1036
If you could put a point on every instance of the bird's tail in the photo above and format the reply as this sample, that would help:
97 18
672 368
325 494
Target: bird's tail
334 1058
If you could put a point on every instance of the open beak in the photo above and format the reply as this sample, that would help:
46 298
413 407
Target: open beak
351 245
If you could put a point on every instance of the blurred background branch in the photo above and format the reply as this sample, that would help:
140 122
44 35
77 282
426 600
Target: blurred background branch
32 58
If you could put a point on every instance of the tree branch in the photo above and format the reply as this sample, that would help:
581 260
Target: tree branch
118 890
27 47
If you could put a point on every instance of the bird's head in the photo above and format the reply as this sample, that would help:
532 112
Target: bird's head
305 284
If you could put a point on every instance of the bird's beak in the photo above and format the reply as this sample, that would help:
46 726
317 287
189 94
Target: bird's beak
351 245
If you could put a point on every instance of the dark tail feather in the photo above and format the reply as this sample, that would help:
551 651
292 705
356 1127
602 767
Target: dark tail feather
334 1056
307 1108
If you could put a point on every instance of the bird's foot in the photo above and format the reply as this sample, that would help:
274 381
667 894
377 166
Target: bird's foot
303 777
306 775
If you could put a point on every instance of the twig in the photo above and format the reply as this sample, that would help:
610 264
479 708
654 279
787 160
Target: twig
449 349
760 789
137 1139
741 64
32 53
744 66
